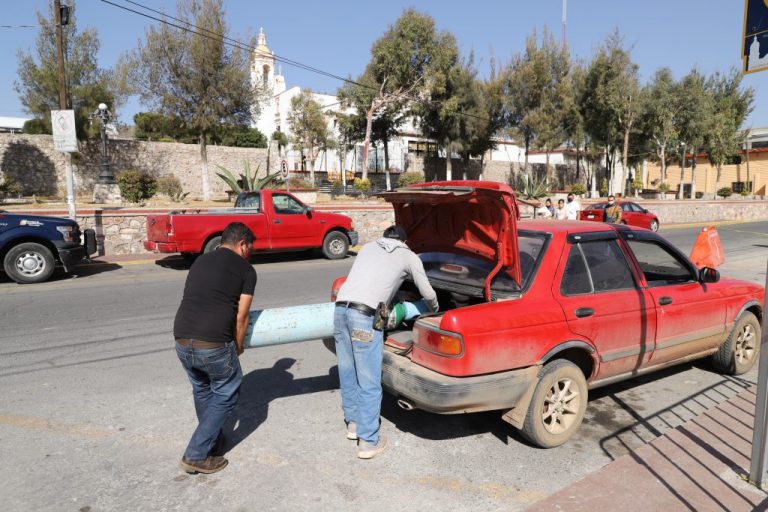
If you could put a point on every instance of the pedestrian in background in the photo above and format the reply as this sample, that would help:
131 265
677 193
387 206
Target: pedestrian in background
572 207
613 212
560 212
550 207
376 275
210 329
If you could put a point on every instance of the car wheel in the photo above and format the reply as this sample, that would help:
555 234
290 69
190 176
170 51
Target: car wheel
654 225
335 245
29 263
212 244
740 350
557 406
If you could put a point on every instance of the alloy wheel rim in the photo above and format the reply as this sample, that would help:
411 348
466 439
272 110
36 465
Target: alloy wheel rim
30 264
746 344
561 406
336 246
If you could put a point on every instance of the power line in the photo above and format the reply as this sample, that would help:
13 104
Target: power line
243 46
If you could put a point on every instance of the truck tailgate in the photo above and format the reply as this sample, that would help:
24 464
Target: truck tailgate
158 227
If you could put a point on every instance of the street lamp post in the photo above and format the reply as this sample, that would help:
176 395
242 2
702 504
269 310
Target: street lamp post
106 190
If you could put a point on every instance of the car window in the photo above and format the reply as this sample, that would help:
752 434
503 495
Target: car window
251 201
636 208
660 266
627 207
605 265
286 204
575 277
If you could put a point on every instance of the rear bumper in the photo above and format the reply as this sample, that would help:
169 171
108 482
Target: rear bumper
160 246
353 237
434 392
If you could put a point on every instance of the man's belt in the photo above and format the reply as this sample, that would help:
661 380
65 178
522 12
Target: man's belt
357 306
185 342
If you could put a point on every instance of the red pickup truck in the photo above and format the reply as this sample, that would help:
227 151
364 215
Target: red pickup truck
278 219
533 314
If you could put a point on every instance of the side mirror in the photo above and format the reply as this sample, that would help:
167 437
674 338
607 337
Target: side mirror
308 211
709 275
645 210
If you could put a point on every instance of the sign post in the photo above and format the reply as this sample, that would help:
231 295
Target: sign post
284 174
65 140
759 460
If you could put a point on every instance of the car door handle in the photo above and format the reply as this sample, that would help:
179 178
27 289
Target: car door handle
663 301
276 221
584 312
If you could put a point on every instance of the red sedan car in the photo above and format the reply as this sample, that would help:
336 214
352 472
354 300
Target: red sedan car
632 214
535 313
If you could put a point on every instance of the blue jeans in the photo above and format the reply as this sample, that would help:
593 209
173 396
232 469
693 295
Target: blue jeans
215 376
359 349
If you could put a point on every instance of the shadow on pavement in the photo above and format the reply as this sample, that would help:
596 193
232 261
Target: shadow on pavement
177 262
79 271
260 387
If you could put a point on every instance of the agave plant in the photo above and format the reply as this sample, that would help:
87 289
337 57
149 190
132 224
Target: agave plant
530 187
249 182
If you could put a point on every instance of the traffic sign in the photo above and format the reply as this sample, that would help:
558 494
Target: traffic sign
64 134
284 169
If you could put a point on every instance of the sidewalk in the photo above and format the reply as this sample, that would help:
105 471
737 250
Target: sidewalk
701 465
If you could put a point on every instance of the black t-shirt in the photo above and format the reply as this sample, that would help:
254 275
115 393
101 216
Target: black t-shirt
208 309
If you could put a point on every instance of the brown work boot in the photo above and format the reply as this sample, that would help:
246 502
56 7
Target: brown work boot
210 464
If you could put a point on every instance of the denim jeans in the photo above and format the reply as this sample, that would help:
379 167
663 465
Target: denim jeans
215 376
359 349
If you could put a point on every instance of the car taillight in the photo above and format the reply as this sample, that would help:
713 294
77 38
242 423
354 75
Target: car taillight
443 343
336 286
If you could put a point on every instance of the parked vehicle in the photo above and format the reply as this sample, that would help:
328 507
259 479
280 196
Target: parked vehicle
535 313
278 219
32 245
632 214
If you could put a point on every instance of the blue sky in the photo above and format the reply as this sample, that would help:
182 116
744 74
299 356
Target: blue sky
336 35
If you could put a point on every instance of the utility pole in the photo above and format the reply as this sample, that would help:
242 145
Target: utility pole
565 22
57 12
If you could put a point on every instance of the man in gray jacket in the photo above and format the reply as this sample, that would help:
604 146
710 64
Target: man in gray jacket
379 269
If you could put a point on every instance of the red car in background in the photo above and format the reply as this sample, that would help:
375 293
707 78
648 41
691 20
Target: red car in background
632 214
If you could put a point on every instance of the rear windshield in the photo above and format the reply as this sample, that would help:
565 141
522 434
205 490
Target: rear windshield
465 271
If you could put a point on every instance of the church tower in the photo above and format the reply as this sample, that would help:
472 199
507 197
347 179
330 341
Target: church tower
263 64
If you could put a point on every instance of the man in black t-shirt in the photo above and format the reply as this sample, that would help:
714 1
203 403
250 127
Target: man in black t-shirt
209 330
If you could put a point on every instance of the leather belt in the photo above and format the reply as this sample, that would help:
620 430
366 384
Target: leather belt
185 342
357 306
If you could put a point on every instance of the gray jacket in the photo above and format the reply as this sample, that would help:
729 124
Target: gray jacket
379 269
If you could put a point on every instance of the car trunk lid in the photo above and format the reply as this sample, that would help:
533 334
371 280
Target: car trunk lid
476 218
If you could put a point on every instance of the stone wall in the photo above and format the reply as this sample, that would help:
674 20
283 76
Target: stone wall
39 169
435 168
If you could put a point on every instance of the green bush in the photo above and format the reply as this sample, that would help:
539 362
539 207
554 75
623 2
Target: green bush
604 187
337 188
579 189
663 188
699 195
37 127
171 186
136 186
725 192
410 178
363 185
299 183
744 192
9 188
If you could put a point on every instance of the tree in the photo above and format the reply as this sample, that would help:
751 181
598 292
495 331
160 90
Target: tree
194 75
610 103
309 127
731 105
659 119
402 61
695 120
87 84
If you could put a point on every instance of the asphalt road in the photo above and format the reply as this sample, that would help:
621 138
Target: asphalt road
95 410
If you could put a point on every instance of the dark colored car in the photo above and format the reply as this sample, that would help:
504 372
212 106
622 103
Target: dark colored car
632 215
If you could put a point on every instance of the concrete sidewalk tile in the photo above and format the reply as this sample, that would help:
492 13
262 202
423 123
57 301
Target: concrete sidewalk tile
700 465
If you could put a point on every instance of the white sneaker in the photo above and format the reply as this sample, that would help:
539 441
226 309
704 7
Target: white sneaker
366 450
352 431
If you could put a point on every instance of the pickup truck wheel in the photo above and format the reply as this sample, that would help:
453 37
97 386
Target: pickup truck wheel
654 225
212 244
557 406
740 350
335 245
29 263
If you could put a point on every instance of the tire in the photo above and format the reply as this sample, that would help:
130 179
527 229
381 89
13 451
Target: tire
212 244
557 406
654 225
29 263
335 245
740 350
